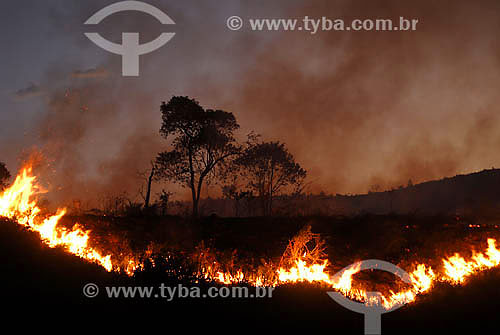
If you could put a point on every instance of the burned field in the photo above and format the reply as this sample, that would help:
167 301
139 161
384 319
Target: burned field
277 270
173 251
230 165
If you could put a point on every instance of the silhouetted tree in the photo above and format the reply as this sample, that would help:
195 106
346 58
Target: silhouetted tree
148 178
269 169
4 176
202 141
164 201
231 192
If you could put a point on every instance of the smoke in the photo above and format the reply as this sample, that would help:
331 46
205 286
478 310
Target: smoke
359 108
99 131
355 108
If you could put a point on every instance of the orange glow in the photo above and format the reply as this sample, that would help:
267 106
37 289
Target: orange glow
18 203
301 272
455 271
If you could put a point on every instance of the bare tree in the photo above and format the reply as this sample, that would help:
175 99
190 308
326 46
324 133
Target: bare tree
148 177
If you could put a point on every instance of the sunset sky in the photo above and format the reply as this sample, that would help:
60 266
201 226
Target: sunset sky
355 108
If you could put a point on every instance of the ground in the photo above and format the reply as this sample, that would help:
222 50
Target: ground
50 280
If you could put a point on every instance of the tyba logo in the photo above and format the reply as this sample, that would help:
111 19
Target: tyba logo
374 309
130 49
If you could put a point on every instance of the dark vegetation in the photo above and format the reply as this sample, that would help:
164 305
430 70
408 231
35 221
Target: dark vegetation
204 151
47 279
474 196
263 205
262 178
4 176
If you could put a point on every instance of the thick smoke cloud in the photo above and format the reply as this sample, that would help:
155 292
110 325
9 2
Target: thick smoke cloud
356 108
366 108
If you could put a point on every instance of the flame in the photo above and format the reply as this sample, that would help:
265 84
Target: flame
422 278
455 271
17 203
302 272
344 284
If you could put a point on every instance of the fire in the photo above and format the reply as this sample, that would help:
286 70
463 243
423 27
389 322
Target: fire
227 279
302 272
457 269
298 264
344 283
422 278
17 203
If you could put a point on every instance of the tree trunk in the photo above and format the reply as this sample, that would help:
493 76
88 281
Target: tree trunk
195 201
270 209
197 195
195 208
148 193
191 184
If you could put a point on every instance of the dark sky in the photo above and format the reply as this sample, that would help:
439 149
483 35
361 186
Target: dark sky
355 108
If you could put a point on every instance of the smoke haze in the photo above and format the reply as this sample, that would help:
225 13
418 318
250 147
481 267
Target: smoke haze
356 109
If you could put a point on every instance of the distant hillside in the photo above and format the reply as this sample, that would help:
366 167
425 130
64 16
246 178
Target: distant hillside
476 194
471 194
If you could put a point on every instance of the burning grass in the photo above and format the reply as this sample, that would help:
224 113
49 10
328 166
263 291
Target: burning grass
304 259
